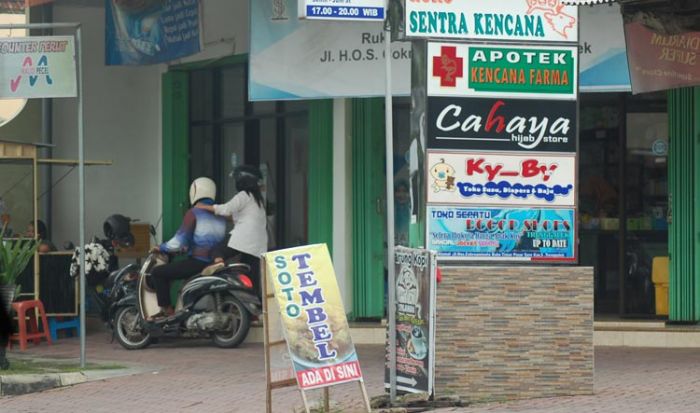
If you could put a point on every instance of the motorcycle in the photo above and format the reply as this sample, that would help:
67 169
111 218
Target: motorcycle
217 303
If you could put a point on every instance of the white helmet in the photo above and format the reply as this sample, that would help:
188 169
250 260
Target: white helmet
202 188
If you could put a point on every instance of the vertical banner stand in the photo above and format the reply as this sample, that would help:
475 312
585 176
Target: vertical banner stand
272 384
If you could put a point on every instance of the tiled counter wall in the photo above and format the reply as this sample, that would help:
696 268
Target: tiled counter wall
514 332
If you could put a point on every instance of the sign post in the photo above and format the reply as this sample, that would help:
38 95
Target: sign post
305 304
414 348
60 81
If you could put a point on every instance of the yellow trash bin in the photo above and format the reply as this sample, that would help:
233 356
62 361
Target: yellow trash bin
659 276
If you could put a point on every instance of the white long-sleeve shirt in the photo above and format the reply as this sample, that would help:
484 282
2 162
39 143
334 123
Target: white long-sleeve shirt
249 234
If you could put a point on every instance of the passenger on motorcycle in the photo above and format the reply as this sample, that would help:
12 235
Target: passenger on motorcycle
199 233
247 210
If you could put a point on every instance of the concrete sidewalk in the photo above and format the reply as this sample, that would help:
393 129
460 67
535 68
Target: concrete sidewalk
195 376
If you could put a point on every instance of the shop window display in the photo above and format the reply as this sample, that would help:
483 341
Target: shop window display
226 131
623 198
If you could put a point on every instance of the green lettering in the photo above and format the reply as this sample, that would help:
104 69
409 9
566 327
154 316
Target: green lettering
478 27
452 23
432 22
463 24
413 22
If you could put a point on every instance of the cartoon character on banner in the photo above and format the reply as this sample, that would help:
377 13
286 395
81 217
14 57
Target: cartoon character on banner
553 13
443 176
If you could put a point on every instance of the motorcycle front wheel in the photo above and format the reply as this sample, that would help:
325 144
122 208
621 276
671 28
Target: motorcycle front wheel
238 326
128 329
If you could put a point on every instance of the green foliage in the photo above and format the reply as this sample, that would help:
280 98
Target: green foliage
14 257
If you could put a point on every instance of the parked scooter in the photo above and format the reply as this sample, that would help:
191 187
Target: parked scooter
217 303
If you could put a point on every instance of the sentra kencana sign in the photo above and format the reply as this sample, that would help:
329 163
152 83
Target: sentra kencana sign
510 71
527 20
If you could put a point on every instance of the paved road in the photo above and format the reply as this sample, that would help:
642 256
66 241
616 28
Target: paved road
194 376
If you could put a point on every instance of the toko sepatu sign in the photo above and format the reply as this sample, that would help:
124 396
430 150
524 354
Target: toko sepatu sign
523 20
313 317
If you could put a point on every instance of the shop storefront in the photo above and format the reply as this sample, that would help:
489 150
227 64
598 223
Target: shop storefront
623 198
210 125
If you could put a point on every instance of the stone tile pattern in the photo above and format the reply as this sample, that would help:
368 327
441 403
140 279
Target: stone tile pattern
506 333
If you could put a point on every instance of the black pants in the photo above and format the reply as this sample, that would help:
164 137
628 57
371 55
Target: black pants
5 332
225 253
163 275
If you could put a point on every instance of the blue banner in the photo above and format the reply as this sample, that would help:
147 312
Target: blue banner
489 234
151 31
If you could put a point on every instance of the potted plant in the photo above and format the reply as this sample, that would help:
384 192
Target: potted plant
14 257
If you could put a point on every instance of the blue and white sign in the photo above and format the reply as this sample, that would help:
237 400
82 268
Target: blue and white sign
302 59
490 234
363 10
602 52
148 32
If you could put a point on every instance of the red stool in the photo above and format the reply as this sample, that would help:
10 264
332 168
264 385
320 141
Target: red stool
29 322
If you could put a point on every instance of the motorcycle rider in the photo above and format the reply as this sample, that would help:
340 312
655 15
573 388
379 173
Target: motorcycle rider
247 210
199 233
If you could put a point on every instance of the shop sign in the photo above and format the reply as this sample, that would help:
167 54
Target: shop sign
415 320
509 234
490 178
346 60
602 53
38 67
142 33
367 10
315 326
523 20
501 124
661 62
502 71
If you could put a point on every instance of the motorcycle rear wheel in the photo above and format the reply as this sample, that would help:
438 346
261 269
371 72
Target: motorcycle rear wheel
237 331
127 332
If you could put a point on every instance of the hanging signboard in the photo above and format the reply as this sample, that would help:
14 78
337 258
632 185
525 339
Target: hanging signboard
603 57
38 67
660 62
489 178
502 71
521 20
315 326
345 60
508 234
501 124
415 320
363 10
141 33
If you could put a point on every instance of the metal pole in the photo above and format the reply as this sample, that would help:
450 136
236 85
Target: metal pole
38 26
81 190
390 215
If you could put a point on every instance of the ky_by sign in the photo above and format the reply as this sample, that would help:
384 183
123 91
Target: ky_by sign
520 20
362 10
501 179
38 67
457 69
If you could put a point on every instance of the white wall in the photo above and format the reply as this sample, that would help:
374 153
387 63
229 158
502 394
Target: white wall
122 124
342 200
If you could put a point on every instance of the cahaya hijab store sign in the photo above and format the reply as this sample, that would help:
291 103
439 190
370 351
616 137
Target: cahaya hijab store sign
521 20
